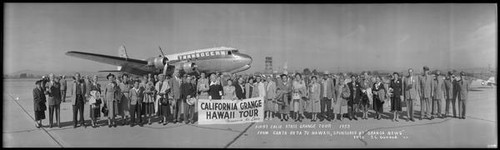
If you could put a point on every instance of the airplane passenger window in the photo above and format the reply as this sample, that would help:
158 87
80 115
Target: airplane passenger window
224 52
217 53
197 55
202 54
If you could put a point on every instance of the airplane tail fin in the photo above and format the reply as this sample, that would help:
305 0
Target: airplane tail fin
122 52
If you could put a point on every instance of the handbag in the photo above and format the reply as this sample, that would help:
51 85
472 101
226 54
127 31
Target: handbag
191 101
105 110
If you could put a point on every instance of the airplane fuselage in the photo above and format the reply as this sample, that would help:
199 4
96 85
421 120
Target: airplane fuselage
217 59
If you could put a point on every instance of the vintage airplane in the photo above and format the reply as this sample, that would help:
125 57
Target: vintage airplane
490 82
209 60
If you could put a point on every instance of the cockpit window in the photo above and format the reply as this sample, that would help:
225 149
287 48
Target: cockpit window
229 53
234 51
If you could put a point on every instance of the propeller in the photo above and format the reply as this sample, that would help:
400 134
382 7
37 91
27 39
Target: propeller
161 51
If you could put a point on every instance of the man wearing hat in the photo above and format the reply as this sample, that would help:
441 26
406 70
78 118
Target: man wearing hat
425 93
448 94
438 91
462 86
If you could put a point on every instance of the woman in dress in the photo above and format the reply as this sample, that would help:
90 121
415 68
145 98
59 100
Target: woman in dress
229 91
249 86
397 90
149 92
379 95
297 94
314 97
283 91
364 103
111 98
95 101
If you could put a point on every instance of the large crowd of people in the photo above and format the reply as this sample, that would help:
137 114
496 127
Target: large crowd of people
172 98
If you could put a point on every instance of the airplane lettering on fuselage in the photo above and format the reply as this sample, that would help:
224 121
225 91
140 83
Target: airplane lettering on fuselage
217 59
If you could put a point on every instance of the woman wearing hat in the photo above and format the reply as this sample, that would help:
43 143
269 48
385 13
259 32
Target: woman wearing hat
39 103
379 95
111 98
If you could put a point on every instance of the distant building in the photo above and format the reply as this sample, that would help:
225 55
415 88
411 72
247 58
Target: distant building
269 65
23 75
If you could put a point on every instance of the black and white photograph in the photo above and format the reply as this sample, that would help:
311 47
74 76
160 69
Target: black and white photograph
250 75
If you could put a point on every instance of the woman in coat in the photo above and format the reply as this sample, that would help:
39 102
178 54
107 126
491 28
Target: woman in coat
314 97
39 100
343 94
270 103
112 96
379 95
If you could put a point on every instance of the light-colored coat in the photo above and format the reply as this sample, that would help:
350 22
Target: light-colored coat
438 88
411 87
271 90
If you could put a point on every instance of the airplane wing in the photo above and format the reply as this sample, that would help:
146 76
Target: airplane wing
134 66
112 60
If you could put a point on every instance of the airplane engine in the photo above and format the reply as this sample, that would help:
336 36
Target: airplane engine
157 62
189 67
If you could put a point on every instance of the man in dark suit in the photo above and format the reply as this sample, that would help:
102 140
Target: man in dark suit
79 99
448 94
188 90
239 89
355 89
54 100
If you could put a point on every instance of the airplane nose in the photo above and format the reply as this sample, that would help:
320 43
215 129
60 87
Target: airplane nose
246 58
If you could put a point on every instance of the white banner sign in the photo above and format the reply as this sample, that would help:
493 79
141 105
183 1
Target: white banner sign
230 111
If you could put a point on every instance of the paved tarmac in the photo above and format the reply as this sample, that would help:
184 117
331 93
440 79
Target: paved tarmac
478 130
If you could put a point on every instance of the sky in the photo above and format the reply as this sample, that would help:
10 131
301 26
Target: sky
333 37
